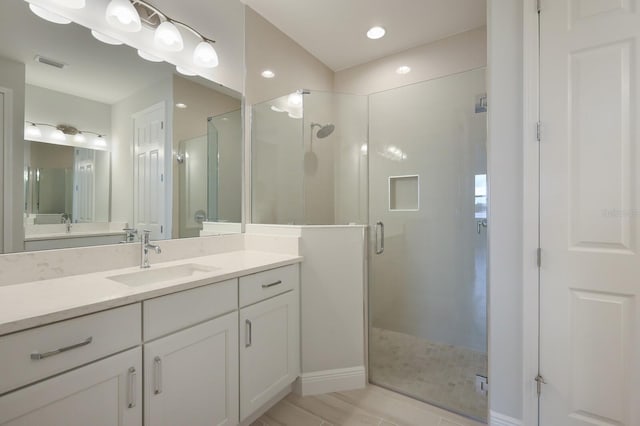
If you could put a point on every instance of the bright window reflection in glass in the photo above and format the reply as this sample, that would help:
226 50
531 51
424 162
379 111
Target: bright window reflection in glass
481 196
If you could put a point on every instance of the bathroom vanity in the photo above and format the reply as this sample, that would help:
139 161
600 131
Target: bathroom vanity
205 340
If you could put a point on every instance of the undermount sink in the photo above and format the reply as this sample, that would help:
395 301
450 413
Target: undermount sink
156 275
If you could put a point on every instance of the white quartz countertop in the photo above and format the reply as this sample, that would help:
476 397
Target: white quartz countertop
37 303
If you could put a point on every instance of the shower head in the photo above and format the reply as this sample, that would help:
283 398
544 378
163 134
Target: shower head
324 131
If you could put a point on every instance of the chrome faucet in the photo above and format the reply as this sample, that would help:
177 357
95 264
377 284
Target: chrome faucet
67 223
144 249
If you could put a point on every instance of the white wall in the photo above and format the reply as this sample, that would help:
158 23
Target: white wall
12 77
505 164
454 54
48 106
122 144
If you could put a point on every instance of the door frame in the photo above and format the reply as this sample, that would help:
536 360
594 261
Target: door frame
531 212
6 181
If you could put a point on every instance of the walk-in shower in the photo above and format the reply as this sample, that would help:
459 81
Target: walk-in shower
411 163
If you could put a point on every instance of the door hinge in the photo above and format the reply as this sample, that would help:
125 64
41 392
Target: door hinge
162 125
161 229
539 257
539 382
539 131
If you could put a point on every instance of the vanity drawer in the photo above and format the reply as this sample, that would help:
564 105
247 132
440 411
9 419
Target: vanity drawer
166 314
263 285
35 354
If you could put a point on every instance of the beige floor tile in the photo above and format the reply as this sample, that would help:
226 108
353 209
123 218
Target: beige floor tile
287 414
334 410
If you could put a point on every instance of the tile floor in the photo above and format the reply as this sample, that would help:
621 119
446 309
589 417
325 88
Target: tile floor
370 406
439 374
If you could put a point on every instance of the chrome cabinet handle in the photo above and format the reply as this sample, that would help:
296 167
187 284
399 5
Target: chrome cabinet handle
248 332
132 388
272 284
157 375
380 246
36 355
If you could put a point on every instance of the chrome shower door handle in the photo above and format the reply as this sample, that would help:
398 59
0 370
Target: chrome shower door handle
380 241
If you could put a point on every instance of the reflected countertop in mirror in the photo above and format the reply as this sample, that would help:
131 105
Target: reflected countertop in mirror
114 141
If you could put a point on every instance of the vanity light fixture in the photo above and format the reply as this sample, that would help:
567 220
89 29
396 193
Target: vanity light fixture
148 56
71 4
105 38
122 16
205 55
404 69
376 33
295 99
167 37
60 132
47 15
32 130
268 74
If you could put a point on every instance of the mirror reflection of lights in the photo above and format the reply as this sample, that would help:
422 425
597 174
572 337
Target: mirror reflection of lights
268 74
394 153
364 149
295 99
276 109
181 105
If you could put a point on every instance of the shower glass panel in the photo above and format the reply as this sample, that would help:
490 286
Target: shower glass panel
309 164
427 288
206 164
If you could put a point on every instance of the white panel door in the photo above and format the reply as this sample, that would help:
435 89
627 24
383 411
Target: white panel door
148 171
589 230
105 393
191 377
269 350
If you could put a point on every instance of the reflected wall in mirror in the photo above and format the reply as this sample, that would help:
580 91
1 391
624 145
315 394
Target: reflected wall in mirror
106 135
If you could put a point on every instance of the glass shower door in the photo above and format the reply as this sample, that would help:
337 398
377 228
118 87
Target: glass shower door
427 283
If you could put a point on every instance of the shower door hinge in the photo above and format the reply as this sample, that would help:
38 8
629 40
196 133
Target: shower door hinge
539 131
539 382
539 257
538 6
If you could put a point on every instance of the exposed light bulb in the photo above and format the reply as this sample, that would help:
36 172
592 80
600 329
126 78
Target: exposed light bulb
167 37
47 15
79 137
71 4
105 38
148 56
32 130
205 55
375 33
123 16
185 71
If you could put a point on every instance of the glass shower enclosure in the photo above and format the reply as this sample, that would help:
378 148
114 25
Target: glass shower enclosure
427 271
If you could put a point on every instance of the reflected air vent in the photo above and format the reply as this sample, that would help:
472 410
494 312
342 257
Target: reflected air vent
50 62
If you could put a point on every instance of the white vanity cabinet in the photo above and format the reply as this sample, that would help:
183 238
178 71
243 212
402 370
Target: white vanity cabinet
66 373
191 375
269 336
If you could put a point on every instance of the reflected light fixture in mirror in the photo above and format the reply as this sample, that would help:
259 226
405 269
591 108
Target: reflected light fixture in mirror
48 15
404 69
71 4
122 16
31 130
105 38
148 56
376 33
268 74
185 71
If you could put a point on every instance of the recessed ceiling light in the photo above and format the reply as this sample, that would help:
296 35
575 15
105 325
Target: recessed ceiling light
403 70
375 33
181 105
268 74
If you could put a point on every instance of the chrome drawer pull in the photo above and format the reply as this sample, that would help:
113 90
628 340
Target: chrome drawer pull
157 375
272 284
36 356
132 388
248 333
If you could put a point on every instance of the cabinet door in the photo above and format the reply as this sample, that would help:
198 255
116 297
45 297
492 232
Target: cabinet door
105 393
269 350
191 377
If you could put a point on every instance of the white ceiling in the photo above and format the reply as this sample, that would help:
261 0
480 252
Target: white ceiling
334 30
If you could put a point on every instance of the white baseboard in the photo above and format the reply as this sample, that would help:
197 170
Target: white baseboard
327 381
497 419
